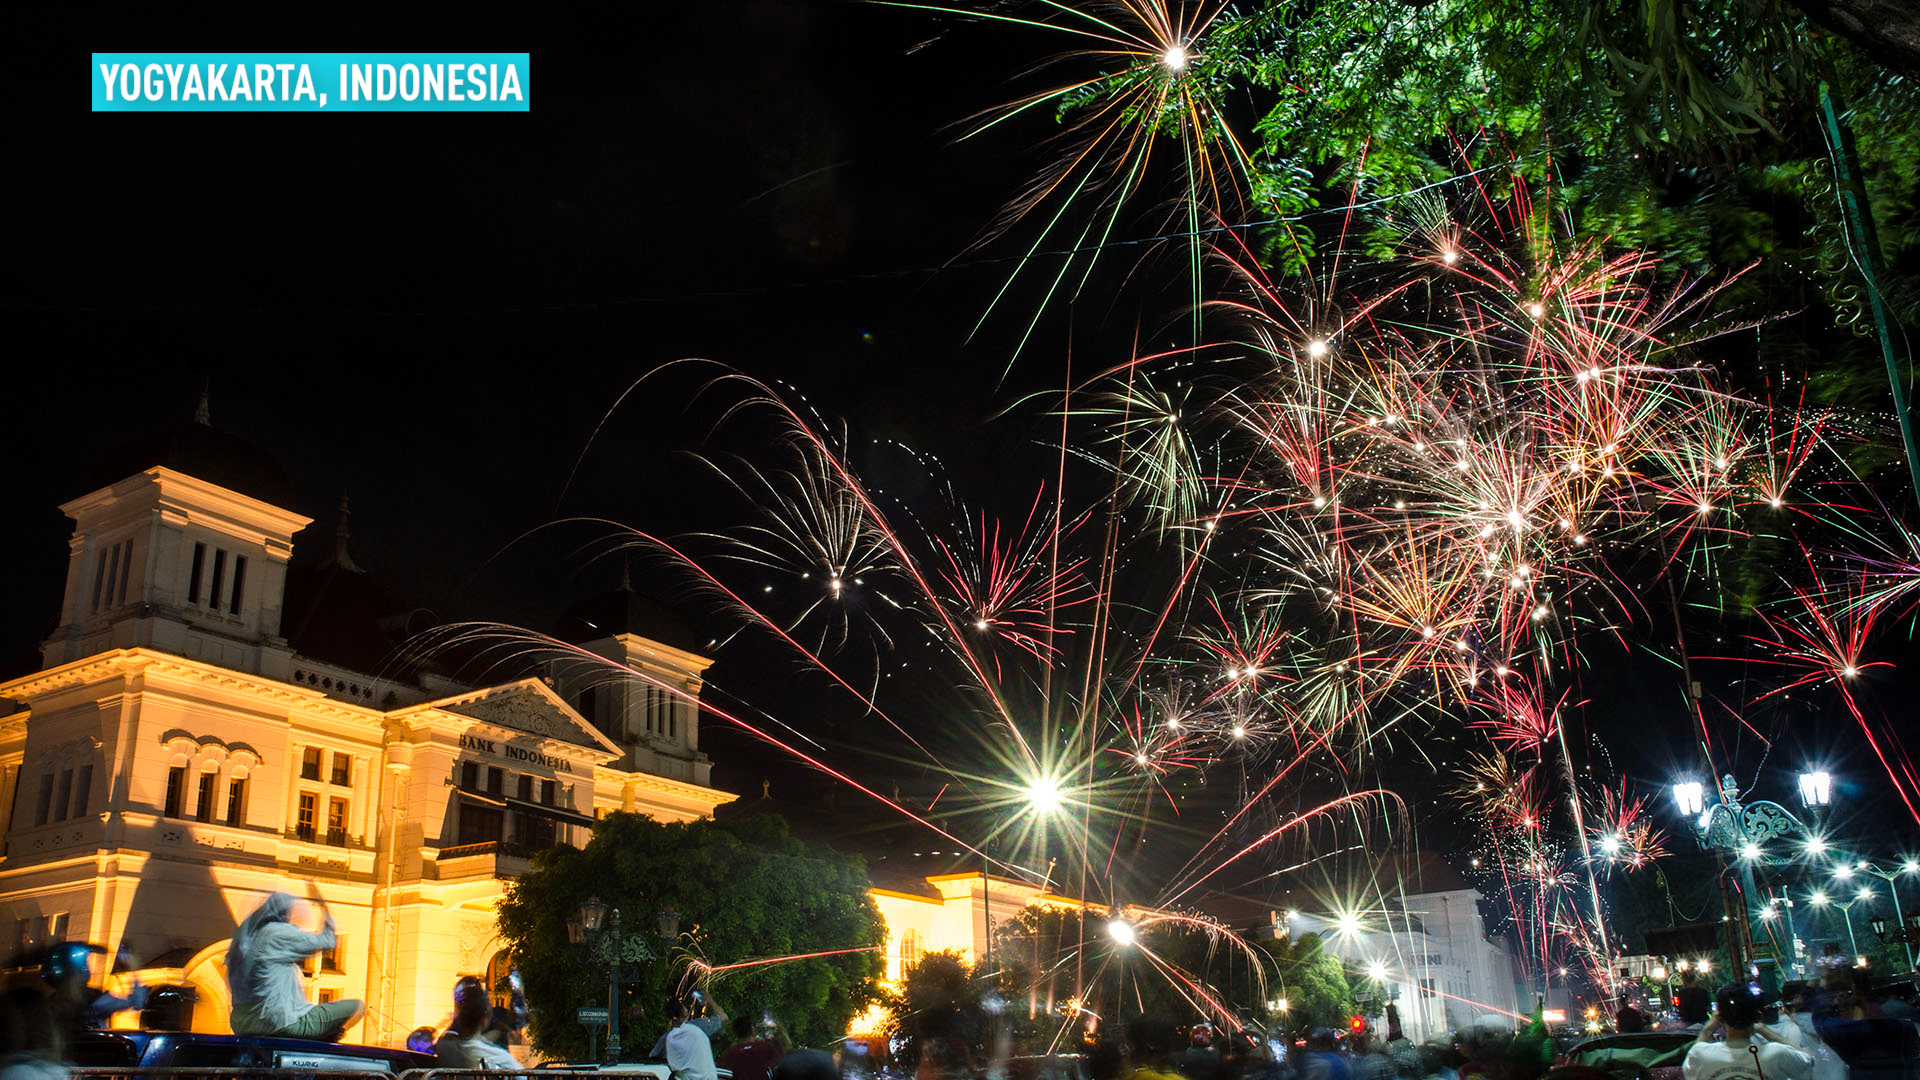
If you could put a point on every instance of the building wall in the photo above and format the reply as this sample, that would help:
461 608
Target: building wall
167 677
413 909
1434 942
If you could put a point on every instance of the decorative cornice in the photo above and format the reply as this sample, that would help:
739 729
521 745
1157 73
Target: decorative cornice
169 485
142 661
933 901
74 673
692 661
694 793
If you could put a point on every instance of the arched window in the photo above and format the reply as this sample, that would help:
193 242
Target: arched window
497 970
913 945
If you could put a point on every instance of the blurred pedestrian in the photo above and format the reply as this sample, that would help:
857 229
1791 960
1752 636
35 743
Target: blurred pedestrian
750 1057
806 1065
1370 1061
1200 1060
420 1040
31 1043
1741 1055
1692 999
1322 1060
464 1045
77 1005
944 1055
1628 1020
507 1021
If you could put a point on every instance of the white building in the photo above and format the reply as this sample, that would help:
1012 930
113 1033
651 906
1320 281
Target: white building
1424 936
207 727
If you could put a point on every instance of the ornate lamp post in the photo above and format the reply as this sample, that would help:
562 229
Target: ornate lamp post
1822 900
1907 868
602 939
1728 827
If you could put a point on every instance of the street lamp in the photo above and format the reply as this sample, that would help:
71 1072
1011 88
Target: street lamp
1690 797
1908 868
595 930
1816 789
1822 900
1726 826
1043 796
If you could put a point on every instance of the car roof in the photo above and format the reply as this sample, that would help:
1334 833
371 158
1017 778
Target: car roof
142 1040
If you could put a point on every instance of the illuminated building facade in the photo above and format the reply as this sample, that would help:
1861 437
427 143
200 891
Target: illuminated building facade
1426 947
208 725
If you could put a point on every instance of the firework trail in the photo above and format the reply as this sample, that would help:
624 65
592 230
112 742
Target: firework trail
1391 498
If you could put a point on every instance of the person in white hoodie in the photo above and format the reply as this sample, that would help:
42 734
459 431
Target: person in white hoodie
263 972
1751 1050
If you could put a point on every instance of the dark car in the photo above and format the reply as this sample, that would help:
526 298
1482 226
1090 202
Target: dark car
195 1050
1048 1067
1659 1053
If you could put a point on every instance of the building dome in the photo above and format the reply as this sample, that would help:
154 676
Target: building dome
203 452
624 611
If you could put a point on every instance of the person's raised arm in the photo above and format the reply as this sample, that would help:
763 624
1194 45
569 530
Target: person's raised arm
285 943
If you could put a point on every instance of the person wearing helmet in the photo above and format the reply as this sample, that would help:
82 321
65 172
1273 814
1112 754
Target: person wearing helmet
464 1044
68 971
1200 1061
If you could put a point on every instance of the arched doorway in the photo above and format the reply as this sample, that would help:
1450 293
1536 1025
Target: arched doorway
206 972
498 969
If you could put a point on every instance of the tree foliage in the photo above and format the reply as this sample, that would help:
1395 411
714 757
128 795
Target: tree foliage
744 890
1688 128
941 985
1314 982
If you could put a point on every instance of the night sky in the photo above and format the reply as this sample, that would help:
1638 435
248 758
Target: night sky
431 313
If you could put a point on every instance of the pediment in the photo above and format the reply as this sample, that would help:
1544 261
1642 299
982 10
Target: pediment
532 708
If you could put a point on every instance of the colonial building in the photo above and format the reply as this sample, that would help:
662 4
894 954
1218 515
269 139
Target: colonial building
1422 943
208 726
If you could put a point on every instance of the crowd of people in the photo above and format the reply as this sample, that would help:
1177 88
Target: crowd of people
1741 1032
1736 1034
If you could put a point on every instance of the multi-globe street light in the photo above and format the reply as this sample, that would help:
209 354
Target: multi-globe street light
592 931
1726 826
1908 868
1820 899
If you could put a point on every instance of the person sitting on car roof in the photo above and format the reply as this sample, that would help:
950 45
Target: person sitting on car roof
263 971
465 1045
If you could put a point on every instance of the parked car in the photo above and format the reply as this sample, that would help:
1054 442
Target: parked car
1048 1067
1660 1053
656 1069
196 1050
